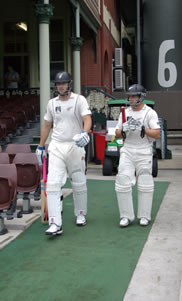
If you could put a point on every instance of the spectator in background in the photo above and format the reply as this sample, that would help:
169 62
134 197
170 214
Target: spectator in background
12 78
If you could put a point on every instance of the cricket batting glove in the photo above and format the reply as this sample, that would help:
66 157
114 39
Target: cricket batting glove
125 127
141 128
82 139
40 153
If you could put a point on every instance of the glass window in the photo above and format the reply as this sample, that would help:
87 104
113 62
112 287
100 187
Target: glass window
15 37
56 47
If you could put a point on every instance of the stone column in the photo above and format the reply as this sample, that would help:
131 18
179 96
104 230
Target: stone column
44 11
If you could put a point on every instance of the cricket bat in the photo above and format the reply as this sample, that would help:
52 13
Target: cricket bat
123 121
44 210
123 114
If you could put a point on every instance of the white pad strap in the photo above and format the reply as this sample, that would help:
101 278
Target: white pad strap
79 187
124 196
145 195
53 203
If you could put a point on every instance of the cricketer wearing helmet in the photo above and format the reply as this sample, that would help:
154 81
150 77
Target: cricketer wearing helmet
139 131
70 117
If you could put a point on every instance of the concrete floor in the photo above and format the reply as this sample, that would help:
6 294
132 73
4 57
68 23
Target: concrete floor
157 276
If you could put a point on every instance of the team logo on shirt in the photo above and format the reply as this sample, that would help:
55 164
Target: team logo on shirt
58 109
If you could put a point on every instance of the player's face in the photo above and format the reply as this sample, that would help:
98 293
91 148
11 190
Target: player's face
133 99
62 87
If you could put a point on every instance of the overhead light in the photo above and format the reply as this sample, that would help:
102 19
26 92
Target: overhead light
22 25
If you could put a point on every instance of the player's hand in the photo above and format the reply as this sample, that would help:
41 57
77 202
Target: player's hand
127 127
40 153
82 139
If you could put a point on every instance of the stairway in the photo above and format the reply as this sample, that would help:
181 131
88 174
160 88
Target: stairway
174 137
30 135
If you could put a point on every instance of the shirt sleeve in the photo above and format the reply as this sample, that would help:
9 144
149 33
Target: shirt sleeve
153 120
83 106
49 111
119 124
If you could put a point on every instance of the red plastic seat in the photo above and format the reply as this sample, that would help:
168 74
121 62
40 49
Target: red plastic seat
13 149
10 124
28 171
8 184
29 174
4 158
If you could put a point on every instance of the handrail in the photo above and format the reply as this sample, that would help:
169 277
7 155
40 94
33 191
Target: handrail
86 91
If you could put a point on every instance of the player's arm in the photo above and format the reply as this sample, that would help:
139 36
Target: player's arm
87 120
153 130
153 133
118 133
45 132
81 140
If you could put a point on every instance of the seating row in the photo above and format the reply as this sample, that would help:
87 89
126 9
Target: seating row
20 177
16 114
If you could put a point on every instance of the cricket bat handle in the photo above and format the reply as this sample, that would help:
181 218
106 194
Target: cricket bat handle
123 121
44 170
123 114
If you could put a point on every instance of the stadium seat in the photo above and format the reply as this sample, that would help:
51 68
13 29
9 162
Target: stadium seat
8 184
10 125
13 149
28 174
4 158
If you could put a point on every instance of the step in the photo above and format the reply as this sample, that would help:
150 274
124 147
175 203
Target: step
174 136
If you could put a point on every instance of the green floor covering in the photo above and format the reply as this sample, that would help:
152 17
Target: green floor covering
95 262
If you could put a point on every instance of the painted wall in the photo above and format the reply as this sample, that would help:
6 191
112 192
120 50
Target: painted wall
162 45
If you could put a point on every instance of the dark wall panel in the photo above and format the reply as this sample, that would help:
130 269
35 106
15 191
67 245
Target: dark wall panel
162 44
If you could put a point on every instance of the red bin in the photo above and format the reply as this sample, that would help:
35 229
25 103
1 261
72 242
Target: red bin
100 144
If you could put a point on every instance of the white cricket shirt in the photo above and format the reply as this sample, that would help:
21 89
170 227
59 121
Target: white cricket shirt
66 116
148 117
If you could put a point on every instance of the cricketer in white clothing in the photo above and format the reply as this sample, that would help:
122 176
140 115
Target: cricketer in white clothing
139 131
70 117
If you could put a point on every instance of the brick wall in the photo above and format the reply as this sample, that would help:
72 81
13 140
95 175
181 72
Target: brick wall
113 9
91 70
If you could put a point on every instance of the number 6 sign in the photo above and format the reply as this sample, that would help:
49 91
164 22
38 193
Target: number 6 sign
163 65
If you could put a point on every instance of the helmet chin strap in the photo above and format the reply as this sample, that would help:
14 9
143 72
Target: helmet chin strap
138 101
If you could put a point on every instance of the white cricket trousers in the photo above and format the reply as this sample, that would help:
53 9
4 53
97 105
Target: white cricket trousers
135 164
64 159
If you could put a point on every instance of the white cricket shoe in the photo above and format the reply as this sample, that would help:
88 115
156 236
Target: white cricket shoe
81 220
144 221
124 222
54 230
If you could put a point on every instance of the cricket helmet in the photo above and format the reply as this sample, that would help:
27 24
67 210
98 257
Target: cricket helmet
139 90
64 77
